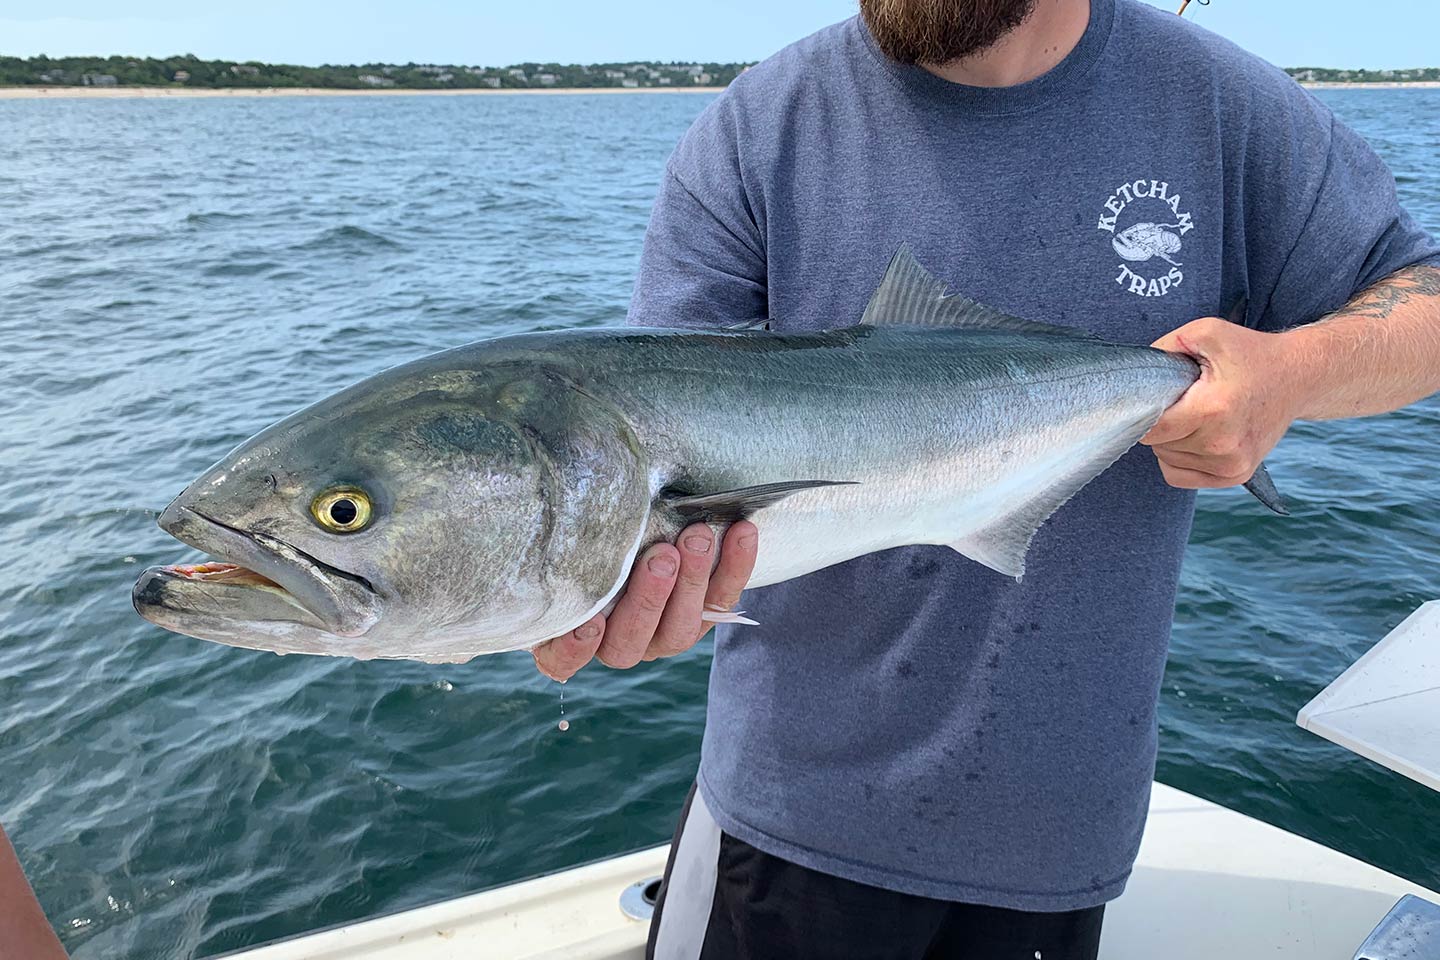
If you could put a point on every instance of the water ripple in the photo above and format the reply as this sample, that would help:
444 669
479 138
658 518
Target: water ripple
174 799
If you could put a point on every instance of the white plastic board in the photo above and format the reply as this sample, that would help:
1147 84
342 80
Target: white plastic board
1386 706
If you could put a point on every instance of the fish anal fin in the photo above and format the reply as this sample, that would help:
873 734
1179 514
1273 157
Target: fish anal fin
1002 545
997 548
730 505
911 296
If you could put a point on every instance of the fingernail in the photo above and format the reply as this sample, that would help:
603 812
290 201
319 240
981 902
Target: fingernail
746 541
698 544
588 631
662 566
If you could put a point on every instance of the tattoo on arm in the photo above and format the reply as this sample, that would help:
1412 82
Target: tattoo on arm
1399 288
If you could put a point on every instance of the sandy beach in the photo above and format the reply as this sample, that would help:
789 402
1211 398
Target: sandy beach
104 93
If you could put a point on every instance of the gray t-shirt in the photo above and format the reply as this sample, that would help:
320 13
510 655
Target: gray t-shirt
911 719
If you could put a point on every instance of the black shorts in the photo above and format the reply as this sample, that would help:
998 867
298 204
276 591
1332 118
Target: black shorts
722 899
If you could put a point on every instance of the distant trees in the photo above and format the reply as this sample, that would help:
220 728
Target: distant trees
187 70
1333 75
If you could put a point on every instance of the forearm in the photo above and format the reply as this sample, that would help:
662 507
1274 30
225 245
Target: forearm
24 932
1379 353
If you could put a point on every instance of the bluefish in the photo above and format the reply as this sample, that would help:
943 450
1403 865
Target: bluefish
492 496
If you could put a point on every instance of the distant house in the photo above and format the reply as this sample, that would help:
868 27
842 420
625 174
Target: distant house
244 69
430 68
444 77
627 82
99 80
664 81
181 76
517 72
492 82
546 79
615 74
702 78
372 80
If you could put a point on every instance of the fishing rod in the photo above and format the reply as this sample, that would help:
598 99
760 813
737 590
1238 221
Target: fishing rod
1186 3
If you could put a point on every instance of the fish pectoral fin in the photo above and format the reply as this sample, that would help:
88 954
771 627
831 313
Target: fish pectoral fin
728 616
910 296
731 505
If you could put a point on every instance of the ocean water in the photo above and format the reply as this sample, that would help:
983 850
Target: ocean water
177 274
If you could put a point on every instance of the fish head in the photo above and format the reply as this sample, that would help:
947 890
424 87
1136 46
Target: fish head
416 516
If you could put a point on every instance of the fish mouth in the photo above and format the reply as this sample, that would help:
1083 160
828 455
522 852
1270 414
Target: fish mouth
257 583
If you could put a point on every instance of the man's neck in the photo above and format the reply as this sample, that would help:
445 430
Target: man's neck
1034 48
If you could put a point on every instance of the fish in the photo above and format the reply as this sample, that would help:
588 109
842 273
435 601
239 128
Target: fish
1142 241
495 495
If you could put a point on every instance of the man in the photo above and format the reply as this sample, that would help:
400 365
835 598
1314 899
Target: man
25 934
912 755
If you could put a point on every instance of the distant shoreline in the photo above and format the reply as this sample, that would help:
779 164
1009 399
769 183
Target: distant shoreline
1379 84
108 93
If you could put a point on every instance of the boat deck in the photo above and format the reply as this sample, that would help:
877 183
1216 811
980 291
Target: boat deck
1209 883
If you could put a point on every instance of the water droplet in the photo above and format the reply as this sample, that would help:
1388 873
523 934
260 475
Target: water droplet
564 725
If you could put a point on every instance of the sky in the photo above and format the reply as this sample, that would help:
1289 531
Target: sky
1332 33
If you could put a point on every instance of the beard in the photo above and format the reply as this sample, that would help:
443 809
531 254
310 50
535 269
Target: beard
938 31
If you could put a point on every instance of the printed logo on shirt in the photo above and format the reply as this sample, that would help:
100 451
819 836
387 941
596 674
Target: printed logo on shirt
1145 222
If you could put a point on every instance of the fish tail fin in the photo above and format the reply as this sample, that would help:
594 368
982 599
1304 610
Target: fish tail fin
1263 488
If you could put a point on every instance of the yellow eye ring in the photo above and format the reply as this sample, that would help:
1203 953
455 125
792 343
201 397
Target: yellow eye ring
342 509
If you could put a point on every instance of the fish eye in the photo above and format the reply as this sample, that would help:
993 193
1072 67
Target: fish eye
342 509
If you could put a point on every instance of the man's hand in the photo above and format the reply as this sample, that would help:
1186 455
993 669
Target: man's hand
1218 433
658 615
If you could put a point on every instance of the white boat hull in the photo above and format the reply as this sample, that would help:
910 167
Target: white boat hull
1209 883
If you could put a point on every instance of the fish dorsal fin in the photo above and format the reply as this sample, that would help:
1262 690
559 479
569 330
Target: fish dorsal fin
731 505
910 296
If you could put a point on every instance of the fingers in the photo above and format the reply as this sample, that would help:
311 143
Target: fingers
562 657
737 561
1196 339
680 624
632 624
1189 479
659 614
1184 416
1178 423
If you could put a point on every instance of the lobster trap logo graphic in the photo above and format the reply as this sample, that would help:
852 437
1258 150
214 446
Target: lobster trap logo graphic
1146 223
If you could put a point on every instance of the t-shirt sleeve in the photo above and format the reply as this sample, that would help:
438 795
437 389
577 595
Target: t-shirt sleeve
703 263
1352 234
